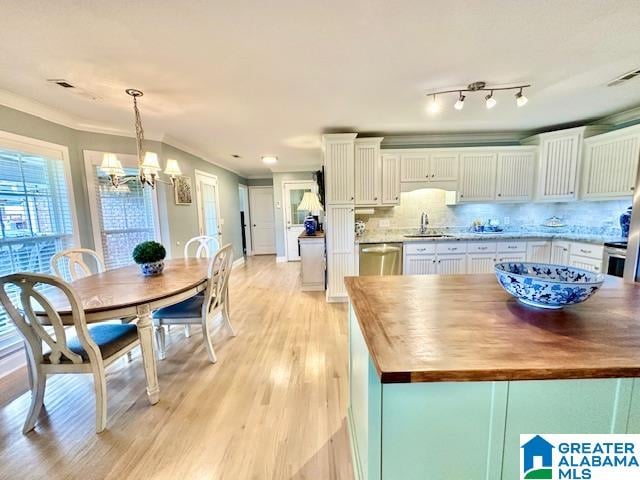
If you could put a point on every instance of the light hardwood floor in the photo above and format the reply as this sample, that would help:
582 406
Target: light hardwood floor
273 407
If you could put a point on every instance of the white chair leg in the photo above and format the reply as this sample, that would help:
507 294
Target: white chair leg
227 319
100 387
29 370
37 399
161 342
207 342
187 331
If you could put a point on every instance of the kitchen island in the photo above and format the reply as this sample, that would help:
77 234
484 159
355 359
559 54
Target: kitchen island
446 371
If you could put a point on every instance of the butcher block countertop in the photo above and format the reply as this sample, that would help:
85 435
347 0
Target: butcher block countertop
440 328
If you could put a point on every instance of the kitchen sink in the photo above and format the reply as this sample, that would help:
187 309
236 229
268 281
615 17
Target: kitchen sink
426 235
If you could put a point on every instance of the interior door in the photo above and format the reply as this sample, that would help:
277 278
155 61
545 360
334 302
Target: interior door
294 218
262 220
208 206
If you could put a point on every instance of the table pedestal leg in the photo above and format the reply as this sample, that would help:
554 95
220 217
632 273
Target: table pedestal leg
145 334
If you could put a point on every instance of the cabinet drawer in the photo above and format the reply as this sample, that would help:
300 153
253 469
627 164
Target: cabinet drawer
508 247
451 247
419 248
587 250
481 247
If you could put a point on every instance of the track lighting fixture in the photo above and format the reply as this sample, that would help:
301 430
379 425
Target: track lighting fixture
490 100
521 100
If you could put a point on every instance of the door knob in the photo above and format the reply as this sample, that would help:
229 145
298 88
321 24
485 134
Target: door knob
254 225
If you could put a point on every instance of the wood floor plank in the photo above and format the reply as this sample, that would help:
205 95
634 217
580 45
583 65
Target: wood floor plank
273 407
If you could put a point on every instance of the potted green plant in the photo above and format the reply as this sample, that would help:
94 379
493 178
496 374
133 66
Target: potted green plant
150 256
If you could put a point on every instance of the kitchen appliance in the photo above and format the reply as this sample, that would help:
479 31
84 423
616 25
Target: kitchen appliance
615 254
380 259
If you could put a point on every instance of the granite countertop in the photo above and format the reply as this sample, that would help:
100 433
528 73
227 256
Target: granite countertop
442 328
398 236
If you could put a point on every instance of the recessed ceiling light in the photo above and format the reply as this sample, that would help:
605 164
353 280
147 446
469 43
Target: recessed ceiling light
269 160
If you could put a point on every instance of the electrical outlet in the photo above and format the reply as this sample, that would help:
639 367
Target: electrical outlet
383 222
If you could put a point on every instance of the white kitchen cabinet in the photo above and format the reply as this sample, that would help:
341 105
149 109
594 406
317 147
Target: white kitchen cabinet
511 257
611 164
558 166
514 179
339 168
560 252
414 166
539 251
480 262
586 263
451 264
419 264
312 263
390 179
340 249
368 172
477 177
443 166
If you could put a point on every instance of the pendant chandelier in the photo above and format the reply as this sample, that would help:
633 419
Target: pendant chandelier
148 164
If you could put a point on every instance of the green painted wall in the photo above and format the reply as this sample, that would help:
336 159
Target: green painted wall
260 182
177 222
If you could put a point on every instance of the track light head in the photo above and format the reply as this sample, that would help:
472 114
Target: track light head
521 100
490 102
459 105
433 105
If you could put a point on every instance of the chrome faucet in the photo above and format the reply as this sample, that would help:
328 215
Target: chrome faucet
424 221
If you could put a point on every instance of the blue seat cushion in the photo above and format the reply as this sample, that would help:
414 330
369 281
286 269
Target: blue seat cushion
189 308
110 338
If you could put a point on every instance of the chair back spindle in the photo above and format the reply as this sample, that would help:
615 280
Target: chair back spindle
76 265
206 245
219 273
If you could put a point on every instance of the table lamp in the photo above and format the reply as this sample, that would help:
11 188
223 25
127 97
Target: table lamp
311 203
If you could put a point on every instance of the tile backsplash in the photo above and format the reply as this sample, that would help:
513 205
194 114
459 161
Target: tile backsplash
598 216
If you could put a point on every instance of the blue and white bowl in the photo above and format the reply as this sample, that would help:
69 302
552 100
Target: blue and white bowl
547 286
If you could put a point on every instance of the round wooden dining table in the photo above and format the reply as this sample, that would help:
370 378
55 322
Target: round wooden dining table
125 292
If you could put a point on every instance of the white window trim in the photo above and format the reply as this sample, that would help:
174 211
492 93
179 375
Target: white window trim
20 143
198 175
93 158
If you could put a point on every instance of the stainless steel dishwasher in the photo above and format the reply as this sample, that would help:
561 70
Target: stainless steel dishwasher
380 259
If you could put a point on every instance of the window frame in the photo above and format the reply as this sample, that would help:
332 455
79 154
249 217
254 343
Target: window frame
92 159
53 151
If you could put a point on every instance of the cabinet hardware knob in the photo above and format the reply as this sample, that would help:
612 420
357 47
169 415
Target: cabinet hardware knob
438 261
396 198
461 195
433 175
434 260
375 198
571 193
254 224
352 197
633 188
499 194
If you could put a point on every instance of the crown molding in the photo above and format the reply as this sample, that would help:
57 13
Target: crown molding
631 115
306 169
175 143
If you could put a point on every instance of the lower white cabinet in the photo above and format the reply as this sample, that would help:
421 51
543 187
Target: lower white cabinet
312 262
539 251
481 262
340 249
419 264
560 252
449 258
451 264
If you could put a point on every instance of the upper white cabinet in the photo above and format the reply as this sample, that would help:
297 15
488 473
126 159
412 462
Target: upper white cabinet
611 164
428 166
514 182
390 179
339 168
477 176
558 168
368 171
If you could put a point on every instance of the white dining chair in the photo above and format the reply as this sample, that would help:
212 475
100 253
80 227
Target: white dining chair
75 262
201 309
205 246
89 350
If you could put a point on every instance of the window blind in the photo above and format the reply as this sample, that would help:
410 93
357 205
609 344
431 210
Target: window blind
36 220
126 216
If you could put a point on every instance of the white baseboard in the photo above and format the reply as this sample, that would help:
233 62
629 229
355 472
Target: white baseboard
281 259
238 263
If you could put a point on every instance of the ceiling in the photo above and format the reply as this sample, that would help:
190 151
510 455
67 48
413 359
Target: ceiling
254 78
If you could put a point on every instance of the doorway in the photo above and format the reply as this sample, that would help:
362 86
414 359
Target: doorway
245 219
292 193
263 238
208 201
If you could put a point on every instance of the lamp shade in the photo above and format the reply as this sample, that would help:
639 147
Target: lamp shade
151 163
173 169
111 165
310 202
